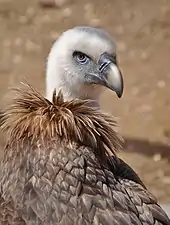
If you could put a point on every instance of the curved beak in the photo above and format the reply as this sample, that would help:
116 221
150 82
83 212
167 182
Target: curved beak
113 79
108 74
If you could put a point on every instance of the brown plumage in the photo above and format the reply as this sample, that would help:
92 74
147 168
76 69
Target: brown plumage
56 168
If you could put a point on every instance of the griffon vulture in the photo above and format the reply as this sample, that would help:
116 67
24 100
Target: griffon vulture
56 168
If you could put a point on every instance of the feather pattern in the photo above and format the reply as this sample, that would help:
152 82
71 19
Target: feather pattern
73 120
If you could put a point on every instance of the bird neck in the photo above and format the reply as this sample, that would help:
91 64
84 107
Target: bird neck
70 93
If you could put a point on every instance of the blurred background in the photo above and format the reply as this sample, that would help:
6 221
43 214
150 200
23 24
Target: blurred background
142 33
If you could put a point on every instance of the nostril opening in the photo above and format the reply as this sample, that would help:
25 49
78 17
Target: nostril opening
103 66
104 60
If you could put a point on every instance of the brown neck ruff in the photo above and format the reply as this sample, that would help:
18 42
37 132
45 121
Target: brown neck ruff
32 119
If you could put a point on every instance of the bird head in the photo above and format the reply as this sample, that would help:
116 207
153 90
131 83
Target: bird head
82 62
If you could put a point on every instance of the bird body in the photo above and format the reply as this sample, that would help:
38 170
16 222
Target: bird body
57 168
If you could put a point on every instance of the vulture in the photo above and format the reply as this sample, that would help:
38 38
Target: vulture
60 165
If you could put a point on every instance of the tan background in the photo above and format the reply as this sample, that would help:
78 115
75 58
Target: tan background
142 32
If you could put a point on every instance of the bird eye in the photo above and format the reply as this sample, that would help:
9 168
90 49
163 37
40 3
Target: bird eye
81 57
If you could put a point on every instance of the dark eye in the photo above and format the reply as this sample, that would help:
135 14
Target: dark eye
81 57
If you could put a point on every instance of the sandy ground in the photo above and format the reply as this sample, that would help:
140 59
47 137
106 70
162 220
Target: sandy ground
142 32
